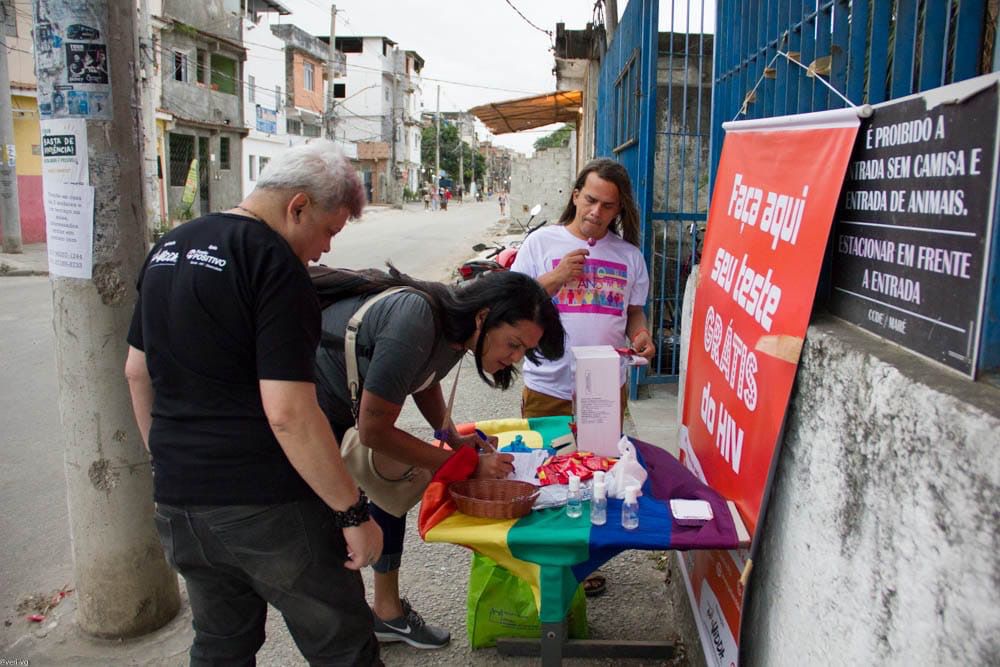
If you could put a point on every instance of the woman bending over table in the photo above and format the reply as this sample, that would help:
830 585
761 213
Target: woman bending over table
406 344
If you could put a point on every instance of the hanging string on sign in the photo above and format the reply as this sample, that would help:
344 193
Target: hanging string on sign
864 111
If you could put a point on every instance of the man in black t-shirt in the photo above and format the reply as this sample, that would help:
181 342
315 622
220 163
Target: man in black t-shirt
253 502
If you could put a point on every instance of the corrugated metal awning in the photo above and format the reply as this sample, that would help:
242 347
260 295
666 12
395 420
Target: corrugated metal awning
561 106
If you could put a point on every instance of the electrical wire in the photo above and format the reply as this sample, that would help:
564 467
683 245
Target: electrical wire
528 21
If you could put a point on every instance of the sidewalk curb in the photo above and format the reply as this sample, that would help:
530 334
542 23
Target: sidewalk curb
10 270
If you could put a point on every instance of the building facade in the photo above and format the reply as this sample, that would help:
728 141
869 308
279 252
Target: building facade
17 26
201 72
264 91
379 102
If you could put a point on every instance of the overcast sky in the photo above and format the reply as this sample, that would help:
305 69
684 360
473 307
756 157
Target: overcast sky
477 51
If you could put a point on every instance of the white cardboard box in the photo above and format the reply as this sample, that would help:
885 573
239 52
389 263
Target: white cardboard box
597 399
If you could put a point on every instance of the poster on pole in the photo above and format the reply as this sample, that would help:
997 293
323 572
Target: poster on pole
69 230
776 191
65 156
71 50
914 224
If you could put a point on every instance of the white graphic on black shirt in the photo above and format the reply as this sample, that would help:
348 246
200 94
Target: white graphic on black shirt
199 257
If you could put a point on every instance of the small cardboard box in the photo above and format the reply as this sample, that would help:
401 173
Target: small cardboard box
597 399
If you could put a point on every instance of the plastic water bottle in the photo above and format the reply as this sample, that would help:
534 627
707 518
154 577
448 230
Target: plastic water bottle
574 501
599 505
630 508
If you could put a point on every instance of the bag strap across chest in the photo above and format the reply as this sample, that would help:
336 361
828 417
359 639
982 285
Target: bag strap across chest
350 347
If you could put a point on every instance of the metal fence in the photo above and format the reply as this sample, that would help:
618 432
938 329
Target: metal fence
869 50
662 116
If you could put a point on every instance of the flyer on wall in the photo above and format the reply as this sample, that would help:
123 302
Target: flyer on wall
776 191
71 49
65 156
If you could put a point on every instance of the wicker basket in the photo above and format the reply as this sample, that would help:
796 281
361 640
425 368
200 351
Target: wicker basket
494 498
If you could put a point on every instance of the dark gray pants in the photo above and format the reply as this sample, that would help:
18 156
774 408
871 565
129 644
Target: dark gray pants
237 558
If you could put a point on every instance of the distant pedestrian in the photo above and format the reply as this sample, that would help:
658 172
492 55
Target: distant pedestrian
426 197
254 505
502 199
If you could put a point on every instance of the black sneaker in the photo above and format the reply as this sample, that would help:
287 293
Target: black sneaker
411 628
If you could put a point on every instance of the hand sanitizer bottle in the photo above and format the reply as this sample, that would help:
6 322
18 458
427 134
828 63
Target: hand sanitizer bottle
630 508
599 505
574 501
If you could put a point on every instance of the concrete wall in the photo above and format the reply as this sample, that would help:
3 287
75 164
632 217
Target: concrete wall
546 179
882 541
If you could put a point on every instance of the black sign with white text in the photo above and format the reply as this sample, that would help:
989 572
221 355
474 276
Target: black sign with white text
912 228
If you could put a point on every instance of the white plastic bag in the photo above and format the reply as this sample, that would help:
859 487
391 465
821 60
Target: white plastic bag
626 472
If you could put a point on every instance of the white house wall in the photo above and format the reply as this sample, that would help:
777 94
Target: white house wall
266 64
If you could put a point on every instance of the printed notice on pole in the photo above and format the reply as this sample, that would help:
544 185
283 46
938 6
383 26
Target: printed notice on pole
64 151
71 47
913 226
69 229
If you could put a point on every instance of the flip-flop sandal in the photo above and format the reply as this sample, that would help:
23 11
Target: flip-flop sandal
594 585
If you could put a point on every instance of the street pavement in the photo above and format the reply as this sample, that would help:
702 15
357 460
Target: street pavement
644 599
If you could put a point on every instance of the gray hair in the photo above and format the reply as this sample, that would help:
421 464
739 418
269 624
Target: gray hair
321 170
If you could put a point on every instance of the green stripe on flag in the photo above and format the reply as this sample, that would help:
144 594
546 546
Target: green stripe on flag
567 542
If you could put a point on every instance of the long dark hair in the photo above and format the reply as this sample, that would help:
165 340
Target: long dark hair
626 225
507 296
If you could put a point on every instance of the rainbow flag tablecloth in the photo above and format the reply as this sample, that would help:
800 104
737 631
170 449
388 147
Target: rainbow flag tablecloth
554 553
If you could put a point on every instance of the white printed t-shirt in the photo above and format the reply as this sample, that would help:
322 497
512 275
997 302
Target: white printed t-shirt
593 308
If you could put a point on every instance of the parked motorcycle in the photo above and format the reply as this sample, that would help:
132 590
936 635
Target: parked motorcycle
501 257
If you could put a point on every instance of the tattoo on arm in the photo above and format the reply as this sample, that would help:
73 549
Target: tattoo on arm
375 413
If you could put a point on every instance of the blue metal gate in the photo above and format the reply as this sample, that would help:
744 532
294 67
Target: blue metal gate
654 99
868 50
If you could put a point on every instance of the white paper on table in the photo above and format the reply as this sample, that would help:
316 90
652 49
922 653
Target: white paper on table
697 510
526 465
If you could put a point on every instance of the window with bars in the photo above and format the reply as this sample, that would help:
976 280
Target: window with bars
293 126
251 88
181 154
311 131
252 174
263 163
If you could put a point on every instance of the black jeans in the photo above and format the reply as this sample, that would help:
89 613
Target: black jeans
237 558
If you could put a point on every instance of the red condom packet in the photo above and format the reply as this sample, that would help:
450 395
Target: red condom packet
557 469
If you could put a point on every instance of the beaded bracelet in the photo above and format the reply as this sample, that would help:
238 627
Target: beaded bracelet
355 515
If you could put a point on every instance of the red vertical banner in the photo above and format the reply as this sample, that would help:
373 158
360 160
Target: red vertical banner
776 191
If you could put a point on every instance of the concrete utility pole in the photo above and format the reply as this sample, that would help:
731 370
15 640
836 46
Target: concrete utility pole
395 193
331 54
437 142
461 159
123 584
611 7
150 173
11 207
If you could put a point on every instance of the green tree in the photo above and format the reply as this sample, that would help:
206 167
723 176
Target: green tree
450 147
558 139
